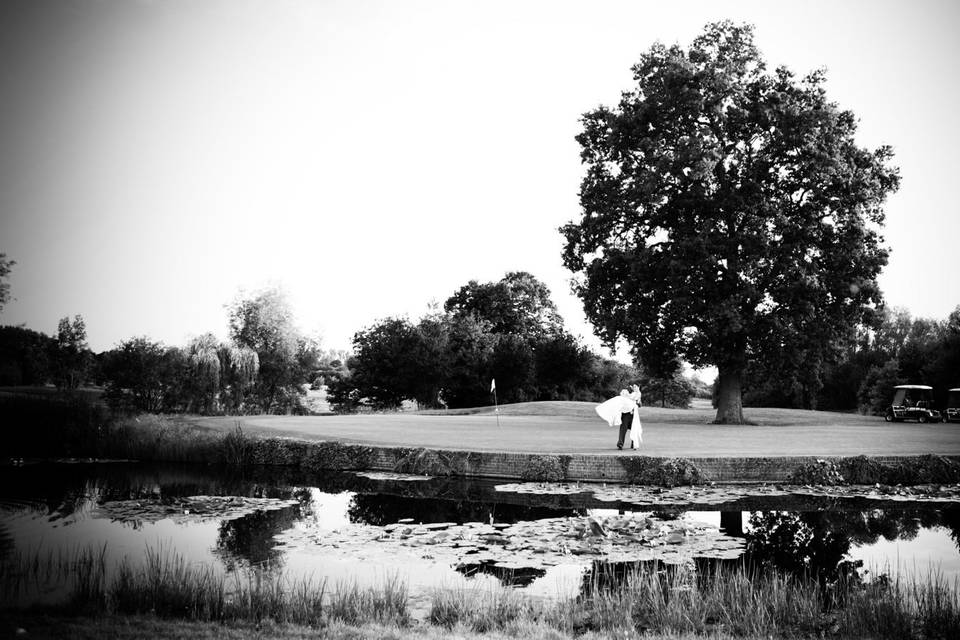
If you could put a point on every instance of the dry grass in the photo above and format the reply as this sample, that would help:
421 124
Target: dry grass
136 627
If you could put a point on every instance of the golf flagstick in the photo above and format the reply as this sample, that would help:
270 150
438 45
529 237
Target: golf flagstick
496 407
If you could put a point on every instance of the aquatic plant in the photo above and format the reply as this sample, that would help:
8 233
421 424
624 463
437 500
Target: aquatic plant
168 587
544 469
864 470
235 446
336 456
917 607
644 598
152 437
480 610
931 468
387 604
820 471
423 462
278 451
927 469
669 472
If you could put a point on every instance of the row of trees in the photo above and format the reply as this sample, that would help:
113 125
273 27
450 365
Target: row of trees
507 330
861 372
29 357
263 368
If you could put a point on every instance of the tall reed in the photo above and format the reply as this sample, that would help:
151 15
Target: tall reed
481 610
168 587
388 604
679 600
926 606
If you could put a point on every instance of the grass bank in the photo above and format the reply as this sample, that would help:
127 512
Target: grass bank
676 602
45 426
47 626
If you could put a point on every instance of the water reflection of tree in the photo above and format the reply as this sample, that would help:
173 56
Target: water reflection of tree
72 490
380 510
811 544
510 577
815 543
249 540
950 518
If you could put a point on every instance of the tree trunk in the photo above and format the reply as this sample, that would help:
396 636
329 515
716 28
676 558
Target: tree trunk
731 522
729 399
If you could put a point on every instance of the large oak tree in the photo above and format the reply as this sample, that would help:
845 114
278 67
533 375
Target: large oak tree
728 214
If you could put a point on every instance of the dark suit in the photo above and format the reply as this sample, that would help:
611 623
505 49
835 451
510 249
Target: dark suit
626 420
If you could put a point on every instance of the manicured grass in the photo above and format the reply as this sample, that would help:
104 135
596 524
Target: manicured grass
702 413
575 428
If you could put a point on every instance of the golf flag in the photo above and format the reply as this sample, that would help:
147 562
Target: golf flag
493 385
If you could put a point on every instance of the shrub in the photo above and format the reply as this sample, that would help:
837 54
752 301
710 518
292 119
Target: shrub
822 472
424 462
931 469
659 472
928 469
864 470
335 456
544 469
55 425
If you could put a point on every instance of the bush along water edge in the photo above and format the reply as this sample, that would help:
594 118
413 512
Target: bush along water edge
663 472
862 470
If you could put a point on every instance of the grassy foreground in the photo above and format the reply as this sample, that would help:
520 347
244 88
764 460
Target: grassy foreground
184 600
136 627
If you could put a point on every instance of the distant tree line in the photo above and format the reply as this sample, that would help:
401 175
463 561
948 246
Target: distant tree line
860 373
264 367
507 330
31 358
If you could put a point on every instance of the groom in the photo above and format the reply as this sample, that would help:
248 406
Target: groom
626 416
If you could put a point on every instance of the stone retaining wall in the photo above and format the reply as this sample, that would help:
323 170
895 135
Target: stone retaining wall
607 468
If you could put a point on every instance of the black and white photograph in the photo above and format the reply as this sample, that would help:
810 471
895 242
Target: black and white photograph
463 319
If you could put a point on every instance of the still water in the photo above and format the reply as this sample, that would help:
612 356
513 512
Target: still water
345 528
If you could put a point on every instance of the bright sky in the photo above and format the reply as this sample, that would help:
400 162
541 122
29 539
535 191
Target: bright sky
372 157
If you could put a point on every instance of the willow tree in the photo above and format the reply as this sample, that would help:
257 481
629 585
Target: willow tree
263 323
203 382
239 366
728 214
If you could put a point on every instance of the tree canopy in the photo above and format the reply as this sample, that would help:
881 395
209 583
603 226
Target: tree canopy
727 213
6 265
262 323
72 358
508 330
518 303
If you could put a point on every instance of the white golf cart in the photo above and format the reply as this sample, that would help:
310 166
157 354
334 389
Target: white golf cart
952 414
912 402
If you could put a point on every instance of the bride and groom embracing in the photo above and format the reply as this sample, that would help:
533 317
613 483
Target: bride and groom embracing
623 410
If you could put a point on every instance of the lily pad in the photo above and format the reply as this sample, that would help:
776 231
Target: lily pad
399 477
189 509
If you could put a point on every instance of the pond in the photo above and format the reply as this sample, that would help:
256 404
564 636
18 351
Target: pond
547 540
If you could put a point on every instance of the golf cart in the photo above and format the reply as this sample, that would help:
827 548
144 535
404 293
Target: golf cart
952 414
912 402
